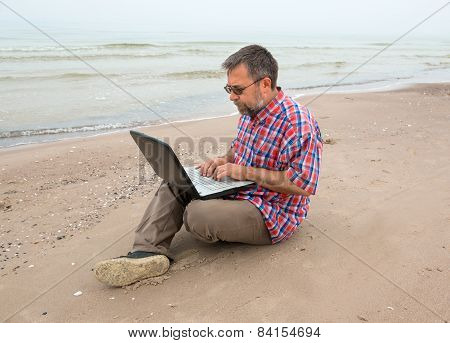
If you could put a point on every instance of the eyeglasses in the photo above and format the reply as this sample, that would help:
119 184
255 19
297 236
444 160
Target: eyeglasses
239 90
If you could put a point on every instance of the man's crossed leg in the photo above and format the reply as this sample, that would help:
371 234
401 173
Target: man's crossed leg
207 220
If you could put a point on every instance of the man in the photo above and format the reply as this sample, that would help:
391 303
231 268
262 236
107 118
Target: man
278 146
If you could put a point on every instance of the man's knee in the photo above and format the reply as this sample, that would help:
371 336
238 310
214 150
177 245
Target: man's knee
197 220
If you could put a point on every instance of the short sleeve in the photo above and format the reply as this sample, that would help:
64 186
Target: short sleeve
304 162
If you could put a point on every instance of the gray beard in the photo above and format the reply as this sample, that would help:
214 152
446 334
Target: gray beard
249 111
254 112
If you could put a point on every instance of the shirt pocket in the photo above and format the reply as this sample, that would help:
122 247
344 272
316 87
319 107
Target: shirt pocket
266 152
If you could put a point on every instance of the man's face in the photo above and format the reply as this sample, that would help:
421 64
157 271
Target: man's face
250 102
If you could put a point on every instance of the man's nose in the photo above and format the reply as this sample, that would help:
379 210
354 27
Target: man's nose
233 97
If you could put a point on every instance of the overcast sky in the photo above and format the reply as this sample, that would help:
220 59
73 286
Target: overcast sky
315 17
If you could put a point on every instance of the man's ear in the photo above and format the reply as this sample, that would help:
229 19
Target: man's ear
267 83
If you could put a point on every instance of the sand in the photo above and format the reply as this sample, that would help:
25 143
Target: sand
375 246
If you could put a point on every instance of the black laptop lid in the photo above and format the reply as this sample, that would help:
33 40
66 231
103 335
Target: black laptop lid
163 160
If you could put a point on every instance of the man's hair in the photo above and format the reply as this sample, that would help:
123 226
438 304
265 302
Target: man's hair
258 60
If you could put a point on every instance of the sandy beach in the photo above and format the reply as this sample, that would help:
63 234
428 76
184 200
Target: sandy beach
374 248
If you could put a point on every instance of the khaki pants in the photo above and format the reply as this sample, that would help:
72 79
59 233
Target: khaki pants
207 220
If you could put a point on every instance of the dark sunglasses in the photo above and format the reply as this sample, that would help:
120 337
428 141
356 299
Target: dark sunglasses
239 90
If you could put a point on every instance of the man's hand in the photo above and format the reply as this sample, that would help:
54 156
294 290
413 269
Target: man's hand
232 170
208 168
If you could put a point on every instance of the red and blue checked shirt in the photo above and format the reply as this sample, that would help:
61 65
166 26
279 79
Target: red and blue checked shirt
282 136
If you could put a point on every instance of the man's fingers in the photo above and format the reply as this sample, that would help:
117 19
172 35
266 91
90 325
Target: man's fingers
214 175
217 172
200 166
211 169
219 176
202 169
205 167
221 172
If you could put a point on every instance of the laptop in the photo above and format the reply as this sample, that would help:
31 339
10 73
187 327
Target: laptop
167 166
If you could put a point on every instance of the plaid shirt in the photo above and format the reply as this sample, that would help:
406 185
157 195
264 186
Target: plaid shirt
282 136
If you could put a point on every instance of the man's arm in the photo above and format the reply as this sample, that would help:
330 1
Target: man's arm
274 180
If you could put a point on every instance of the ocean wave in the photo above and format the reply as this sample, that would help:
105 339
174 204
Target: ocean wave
79 76
432 56
36 49
113 46
80 48
212 43
357 83
437 66
75 129
378 44
337 64
69 57
197 51
197 74
312 47
128 45
328 47
440 64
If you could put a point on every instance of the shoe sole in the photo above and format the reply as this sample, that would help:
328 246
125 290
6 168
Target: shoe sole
124 271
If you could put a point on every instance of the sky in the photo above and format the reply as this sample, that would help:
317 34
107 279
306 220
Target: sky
381 18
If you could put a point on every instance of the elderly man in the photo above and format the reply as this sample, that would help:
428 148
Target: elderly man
278 146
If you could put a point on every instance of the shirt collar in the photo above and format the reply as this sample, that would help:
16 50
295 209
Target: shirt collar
271 107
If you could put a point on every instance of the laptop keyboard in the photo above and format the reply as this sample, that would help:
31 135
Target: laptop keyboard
209 183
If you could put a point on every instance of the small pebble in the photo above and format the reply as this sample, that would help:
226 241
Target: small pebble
390 308
78 293
44 313
112 298
362 318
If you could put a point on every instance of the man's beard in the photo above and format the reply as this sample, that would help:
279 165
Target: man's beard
250 110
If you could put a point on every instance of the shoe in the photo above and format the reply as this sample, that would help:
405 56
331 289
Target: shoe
136 266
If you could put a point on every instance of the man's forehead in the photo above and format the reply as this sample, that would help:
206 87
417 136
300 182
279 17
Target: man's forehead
238 75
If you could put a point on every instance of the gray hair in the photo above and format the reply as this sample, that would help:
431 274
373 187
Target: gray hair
258 60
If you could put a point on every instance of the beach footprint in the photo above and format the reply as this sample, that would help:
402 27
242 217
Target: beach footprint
185 259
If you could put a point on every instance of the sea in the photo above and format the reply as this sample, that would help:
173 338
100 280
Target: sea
60 84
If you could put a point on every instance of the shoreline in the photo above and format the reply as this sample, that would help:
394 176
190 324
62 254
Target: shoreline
126 130
384 88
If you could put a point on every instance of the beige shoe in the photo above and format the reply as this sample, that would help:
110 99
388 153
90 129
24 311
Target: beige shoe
125 270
